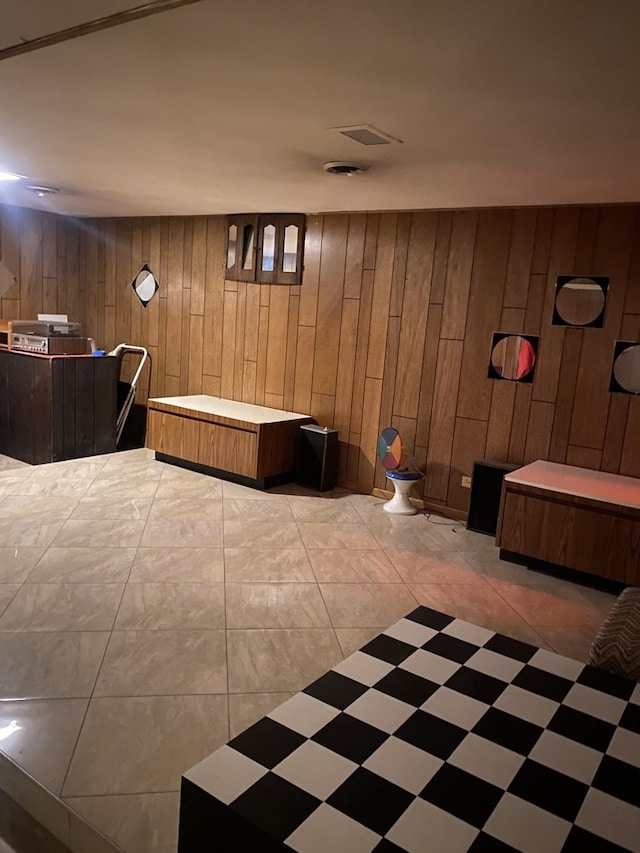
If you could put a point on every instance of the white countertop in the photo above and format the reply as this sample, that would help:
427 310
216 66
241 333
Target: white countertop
582 482
230 409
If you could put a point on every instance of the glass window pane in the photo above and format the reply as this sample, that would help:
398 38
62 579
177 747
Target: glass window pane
247 247
268 247
232 242
290 259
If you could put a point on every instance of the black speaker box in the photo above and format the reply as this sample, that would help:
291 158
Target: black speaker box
317 457
486 486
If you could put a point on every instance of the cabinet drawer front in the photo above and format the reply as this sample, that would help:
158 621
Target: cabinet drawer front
228 449
579 538
173 435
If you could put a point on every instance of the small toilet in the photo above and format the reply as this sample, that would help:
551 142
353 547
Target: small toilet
390 454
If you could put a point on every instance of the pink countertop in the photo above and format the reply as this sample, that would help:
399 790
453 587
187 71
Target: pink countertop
582 482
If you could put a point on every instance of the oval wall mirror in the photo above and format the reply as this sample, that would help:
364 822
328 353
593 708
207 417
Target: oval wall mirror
145 285
625 374
580 301
513 357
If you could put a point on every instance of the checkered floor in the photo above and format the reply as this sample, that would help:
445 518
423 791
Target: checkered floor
438 735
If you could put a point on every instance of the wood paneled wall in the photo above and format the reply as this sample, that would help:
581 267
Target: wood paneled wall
392 325
42 251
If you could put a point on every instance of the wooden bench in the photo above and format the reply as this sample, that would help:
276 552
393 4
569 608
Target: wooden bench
254 445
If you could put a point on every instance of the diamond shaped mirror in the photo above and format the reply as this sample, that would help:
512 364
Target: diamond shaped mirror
145 285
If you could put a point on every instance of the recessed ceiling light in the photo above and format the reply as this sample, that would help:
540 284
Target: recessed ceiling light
10 176
342 167
42 190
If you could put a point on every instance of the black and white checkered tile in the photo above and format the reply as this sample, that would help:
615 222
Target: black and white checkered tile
438 735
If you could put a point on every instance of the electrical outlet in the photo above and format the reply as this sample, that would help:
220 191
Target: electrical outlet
466 482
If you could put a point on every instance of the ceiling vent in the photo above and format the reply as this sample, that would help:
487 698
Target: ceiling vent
341 167
366 134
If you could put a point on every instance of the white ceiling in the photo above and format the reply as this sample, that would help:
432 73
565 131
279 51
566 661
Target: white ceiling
226 105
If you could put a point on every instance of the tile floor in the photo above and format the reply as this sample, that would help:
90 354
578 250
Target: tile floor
148 613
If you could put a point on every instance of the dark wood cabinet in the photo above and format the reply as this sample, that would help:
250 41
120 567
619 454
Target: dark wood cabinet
56 407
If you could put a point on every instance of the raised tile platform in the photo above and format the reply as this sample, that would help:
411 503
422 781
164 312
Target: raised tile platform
438 735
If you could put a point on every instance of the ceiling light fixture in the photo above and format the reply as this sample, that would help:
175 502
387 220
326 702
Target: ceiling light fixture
342 167
42 191
10 176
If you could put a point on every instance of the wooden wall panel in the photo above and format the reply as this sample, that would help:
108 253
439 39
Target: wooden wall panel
483 312
443 416
381 296
391 325
415 307
330 292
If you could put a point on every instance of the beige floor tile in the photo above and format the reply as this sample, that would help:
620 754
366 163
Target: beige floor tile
63 607
44 736
11 483
108 507
182 533
109 533
252 510
20 833
138 823
476 603
44 507
275 605
171 606
262 534
236 491
279 660
7 463
434 567
336 535
324 510
143 744
409 534
186 509
458 537
43 806
28 532
351 566
194 487
50 665
245 709
122 488
572 641
178 565
352 605
268 565
40 486
85 468
159 663
8 592
137 471
352 639
17 563
557 604
83 565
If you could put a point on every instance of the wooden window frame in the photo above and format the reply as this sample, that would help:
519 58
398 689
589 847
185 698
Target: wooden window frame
259 221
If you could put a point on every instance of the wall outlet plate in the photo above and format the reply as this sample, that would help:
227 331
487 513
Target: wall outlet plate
466 482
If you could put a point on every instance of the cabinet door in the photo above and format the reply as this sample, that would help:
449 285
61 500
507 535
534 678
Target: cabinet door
564 534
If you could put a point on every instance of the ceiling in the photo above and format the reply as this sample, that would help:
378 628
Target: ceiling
227 106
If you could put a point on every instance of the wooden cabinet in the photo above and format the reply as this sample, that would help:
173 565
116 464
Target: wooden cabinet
252 444
56 407
572 517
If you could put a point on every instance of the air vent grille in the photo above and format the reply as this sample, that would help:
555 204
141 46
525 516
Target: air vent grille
366 134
